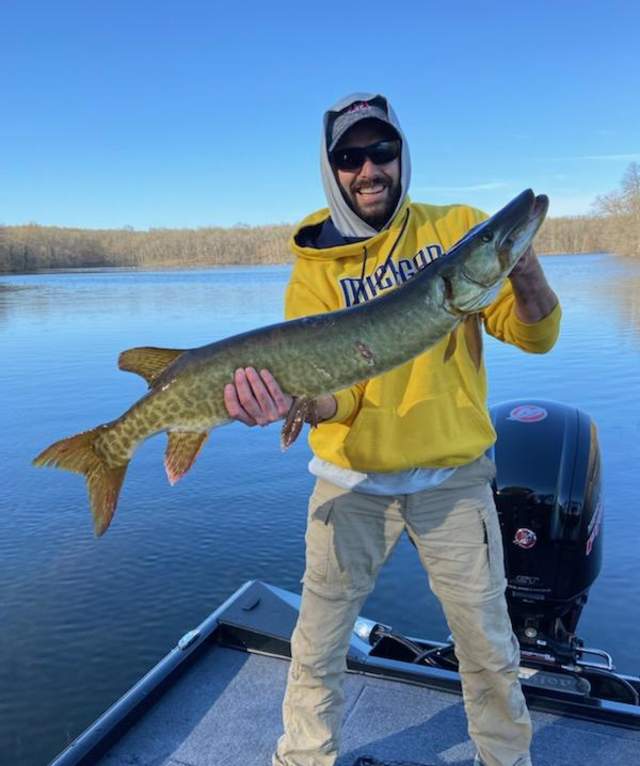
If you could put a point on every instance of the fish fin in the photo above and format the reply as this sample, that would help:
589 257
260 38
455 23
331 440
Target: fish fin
182 450
77 454
303 410
451 345
147 361
473 339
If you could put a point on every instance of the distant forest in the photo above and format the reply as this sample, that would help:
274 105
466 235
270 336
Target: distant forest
613 226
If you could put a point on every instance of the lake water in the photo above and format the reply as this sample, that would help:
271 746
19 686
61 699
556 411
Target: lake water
83 618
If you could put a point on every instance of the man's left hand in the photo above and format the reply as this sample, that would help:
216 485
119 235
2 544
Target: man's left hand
534 298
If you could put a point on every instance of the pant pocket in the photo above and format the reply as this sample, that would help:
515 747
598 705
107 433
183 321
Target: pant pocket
318 538
494 549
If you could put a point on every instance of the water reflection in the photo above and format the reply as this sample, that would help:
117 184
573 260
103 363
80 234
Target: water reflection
154 297
605 286
624 294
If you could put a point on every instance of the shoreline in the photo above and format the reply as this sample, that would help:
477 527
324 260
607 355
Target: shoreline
173 266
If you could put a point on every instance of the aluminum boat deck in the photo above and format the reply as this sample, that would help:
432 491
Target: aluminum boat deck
215 700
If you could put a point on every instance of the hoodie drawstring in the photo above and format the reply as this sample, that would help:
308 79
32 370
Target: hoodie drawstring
386 263
361 283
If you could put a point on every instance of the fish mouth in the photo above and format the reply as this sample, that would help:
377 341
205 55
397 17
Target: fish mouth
521 224
504 228
495 246
490 250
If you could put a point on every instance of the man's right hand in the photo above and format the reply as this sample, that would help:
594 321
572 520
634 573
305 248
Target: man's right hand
256 399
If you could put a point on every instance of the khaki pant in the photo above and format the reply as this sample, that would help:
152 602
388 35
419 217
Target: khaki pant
349 537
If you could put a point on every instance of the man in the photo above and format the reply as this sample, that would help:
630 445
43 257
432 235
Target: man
403 451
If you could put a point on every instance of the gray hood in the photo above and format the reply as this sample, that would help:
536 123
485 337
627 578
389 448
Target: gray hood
345 220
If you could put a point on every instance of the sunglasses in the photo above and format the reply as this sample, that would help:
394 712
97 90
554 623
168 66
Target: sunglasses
353 157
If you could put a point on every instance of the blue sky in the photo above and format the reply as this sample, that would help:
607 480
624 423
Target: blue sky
172 114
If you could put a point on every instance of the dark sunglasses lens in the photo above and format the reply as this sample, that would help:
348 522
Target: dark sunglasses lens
383 152
353 157
349 159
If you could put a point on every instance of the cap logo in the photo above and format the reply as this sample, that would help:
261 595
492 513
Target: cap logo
358 106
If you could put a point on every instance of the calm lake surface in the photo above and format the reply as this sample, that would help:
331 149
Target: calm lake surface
82 619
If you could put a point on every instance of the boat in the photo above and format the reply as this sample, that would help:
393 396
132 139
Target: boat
215 698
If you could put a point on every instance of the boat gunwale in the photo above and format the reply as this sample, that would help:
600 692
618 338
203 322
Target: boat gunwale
122 714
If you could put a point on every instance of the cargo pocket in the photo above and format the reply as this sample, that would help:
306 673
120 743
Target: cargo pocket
318 538
493 543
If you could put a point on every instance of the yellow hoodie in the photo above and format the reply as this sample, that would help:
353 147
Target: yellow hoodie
427 413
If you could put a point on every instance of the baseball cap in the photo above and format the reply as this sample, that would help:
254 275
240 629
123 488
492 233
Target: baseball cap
339 123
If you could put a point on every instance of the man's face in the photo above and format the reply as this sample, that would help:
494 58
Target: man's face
372 191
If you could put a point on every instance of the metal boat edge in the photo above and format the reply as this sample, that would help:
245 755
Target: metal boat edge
259 618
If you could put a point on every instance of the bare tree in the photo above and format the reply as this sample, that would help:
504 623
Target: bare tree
619 212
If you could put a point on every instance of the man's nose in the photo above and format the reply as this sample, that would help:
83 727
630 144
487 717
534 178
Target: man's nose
368 168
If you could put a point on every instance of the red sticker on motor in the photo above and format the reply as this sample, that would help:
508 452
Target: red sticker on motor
525 538
528 413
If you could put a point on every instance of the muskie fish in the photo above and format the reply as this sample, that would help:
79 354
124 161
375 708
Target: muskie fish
309 356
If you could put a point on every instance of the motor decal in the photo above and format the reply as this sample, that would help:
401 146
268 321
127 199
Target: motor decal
526 580
528 413
525 538
594 528
596 518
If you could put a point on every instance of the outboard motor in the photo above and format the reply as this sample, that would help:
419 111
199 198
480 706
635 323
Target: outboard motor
547 492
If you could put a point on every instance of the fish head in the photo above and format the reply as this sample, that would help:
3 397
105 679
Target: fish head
485 256
517 224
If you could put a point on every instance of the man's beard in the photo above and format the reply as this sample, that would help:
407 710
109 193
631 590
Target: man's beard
378 215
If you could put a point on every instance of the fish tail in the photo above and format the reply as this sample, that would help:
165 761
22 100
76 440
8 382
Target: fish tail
78 454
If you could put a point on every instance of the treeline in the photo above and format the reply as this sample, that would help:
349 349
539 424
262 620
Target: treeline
33 247
613 227
583 234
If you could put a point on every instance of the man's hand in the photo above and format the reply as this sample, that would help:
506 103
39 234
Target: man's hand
256 399
534 298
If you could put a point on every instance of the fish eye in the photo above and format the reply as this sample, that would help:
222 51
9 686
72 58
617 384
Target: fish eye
487 236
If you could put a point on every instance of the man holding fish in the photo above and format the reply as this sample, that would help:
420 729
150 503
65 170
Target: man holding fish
401 451
382 351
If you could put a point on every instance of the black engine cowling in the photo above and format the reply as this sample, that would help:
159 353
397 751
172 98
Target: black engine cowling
548 495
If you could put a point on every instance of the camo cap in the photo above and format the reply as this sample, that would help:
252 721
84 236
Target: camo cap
338 123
